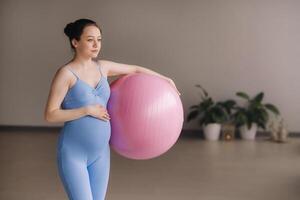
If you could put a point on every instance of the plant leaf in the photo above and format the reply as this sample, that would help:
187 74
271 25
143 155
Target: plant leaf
192 115
227 105
259 97
203 90
243 95
272 108
194 107
240 117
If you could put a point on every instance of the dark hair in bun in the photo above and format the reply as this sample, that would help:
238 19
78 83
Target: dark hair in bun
74 29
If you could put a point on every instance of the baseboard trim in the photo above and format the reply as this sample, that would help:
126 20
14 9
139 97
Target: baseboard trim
193 133
189 133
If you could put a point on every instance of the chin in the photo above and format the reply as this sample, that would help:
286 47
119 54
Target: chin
94 55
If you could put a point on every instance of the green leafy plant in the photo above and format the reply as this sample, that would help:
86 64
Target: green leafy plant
209 111
229 106
254 112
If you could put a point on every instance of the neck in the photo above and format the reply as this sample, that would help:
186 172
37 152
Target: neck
83 62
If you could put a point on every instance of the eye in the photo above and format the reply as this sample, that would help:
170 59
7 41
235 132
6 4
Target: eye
99 39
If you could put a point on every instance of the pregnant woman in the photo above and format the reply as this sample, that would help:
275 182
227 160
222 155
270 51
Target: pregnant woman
78 97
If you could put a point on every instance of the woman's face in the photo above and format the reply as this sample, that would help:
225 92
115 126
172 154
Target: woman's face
89 44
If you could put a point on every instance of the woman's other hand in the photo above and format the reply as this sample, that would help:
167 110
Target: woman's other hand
98 111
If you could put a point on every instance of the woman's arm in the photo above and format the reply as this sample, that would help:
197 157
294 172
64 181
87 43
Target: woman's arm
114 69
58 90
148 71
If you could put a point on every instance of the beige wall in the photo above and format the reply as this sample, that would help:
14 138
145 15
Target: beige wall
224 45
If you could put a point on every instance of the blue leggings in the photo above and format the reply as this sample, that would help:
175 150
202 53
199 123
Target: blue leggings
84 169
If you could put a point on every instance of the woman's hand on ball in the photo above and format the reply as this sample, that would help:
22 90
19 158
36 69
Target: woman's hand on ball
98 111
173 84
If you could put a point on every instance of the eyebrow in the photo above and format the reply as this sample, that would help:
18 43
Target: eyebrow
92 36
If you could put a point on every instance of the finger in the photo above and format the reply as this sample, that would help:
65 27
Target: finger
106 116
104 119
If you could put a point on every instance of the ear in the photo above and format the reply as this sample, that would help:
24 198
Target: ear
74 42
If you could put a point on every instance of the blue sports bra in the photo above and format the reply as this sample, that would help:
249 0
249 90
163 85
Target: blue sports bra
82 94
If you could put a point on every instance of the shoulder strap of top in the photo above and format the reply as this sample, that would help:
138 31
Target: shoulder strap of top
100 69
72 72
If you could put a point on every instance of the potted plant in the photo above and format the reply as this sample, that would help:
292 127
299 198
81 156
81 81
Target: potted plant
253 115
211 115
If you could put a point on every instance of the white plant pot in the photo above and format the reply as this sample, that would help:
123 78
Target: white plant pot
212 131
248 134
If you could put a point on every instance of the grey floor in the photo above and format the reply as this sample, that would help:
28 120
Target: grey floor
191 169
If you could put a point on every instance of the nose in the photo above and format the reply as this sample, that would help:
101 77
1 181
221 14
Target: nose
96 44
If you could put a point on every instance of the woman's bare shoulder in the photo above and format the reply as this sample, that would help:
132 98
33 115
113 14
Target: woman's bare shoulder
104 64
63 70
63 74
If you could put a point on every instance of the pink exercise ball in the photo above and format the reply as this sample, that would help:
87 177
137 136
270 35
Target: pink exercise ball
146 116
